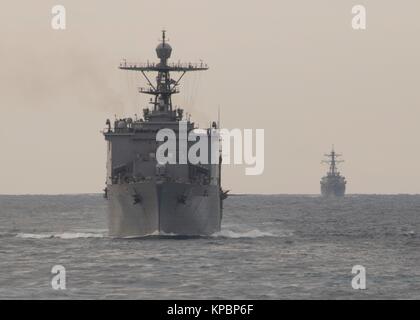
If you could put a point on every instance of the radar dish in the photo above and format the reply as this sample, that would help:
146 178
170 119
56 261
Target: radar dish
163 51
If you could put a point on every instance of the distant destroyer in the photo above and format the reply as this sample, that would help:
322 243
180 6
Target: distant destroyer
144 196
333 184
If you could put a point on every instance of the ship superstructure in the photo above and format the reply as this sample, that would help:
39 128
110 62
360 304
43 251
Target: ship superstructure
144 196
333 184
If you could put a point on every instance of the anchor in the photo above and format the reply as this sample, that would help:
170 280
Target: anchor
137 197
182 199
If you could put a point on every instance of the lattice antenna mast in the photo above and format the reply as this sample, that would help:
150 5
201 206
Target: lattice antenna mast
333 161
164 87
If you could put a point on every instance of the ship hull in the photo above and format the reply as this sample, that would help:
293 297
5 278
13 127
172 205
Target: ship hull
333 189
153 208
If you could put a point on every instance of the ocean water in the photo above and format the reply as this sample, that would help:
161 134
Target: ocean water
270 247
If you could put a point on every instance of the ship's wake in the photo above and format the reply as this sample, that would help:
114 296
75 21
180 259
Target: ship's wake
255 233
225 233
64 235
228 233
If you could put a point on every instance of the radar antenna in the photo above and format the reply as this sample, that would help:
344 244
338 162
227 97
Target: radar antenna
165 87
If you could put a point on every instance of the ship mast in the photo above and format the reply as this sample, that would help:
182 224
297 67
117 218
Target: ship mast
332 161
164 87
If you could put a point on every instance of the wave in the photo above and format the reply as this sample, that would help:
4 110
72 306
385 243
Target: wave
226 233
243 234
64 235
410 233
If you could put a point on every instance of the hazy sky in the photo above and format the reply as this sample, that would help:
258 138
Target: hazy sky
295 68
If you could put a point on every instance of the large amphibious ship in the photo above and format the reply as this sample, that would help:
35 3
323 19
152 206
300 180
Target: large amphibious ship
146 197
333 184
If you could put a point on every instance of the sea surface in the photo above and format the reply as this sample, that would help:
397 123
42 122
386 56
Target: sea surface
270 247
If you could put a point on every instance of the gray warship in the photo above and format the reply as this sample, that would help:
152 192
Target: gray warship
144 196
333 184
